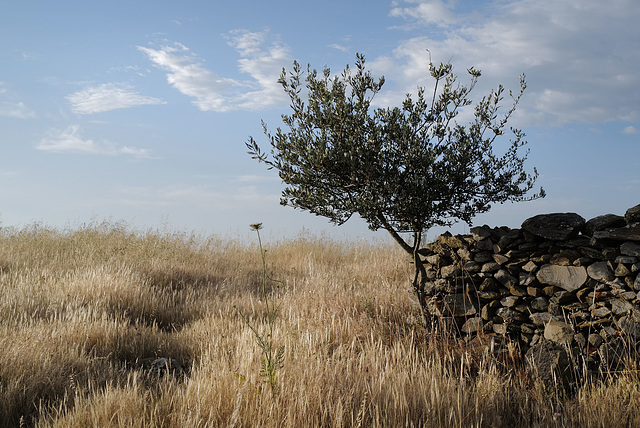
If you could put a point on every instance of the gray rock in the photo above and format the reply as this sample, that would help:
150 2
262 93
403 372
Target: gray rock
617 283
510 316
527 280
509 301
549 363
608 332
610 253
535 291
591 252
630 249
621 270
628 295
472 267
480 232
452 305
630 325
600 312
535 340
487 312
569 278
539 304
556 226
559 332
439 285
487 295
530 267
490 267
620 306
500 259
464 254
627 259
484 245
542 318
433 259
595 340
600 271
528 328
582 261
560 260
431 274
606 221
517 291
500 329
483 256
449 240
505 278
473 325
612 353
633 215
450 271
630 233
489 284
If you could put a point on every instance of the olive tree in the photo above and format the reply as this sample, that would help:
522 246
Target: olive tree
403 169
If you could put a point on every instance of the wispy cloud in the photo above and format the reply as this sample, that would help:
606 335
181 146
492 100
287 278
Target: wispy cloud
631 130
11 107
212 92
108 96
427 11
339 47
70 140
187 75
263 65
17 110
576 67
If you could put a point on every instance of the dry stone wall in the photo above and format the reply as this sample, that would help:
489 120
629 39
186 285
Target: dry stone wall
558 281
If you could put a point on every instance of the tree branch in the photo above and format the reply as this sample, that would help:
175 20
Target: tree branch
408 248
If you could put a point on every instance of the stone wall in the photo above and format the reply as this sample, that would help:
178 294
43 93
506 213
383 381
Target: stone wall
557 281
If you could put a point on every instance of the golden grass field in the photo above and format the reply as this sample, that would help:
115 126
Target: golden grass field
79 308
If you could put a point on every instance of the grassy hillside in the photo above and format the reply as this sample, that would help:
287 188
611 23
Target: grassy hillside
80 309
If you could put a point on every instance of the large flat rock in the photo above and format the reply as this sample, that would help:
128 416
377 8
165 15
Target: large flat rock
569 278
602 222
556 226
631 233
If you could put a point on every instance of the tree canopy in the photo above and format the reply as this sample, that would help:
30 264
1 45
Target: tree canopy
403 169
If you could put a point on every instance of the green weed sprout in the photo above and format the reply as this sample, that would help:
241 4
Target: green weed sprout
272 358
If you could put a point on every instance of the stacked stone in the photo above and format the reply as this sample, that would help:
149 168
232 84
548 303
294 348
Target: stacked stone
558 278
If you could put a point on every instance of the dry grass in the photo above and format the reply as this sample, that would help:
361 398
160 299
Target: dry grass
78 308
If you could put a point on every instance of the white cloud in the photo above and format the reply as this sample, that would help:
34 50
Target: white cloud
264 65
10 107
187 75
579 56
213 92
427 11
17 110
631 130
247 43
70 140
339 47
108 96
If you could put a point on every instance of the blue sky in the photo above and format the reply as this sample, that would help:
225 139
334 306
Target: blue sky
138 111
